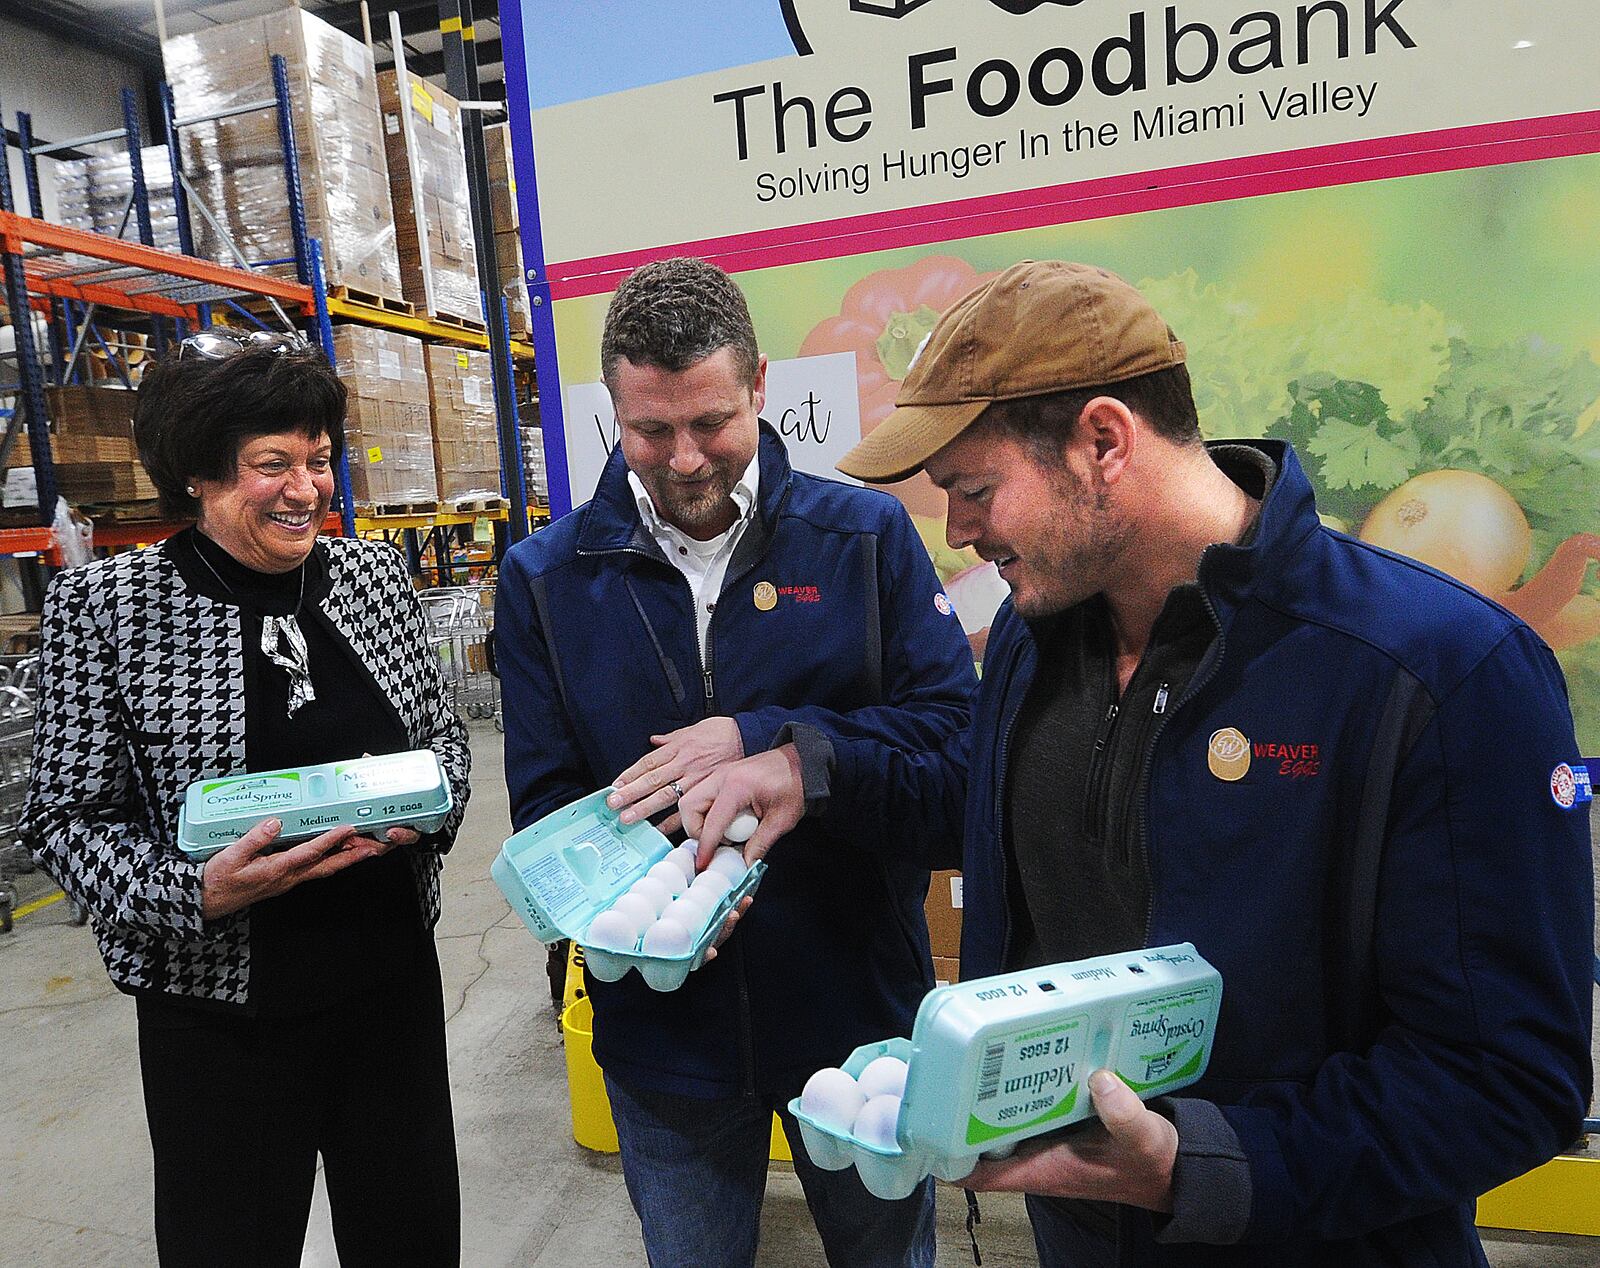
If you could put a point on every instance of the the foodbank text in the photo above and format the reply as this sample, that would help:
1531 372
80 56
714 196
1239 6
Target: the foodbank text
1153 54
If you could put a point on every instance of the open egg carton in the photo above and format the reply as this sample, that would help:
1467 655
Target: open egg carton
623 892
998 1060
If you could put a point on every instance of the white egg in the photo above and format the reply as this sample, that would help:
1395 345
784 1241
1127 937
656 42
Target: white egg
742 828
730 863
884 1076
690 909
653 892
683 857
876 1120
612 931
667 938
831 1098
712 885
637 909
670 875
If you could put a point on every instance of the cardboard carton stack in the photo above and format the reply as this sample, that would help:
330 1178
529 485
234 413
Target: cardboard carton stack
944 925
465 445
438 264
237 163
91 444
387 433
507 234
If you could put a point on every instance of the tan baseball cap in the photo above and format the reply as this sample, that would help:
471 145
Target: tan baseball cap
1041 326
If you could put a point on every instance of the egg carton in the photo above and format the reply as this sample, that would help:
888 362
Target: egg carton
393 789
890 1174
997 1060
560 873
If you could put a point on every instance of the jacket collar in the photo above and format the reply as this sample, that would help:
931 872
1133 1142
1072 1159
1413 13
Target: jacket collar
611 519
1288 516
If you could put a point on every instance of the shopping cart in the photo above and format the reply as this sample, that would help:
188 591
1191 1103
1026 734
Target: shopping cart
460 622
18 675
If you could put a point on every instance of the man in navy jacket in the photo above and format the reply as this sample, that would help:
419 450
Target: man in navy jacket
1349 780
704 604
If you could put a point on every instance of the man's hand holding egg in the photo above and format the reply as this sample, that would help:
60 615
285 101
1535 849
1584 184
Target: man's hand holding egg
766 786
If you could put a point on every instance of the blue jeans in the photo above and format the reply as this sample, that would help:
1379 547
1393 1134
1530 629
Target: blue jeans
697 1171
1065 1242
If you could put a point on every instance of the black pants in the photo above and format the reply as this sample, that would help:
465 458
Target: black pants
240 1108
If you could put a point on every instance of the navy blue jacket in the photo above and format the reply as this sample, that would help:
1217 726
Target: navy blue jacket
596 642
1400 910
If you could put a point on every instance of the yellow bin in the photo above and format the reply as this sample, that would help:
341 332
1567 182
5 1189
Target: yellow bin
591 1108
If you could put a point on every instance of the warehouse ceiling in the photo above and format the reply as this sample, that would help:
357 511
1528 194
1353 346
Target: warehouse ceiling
126 29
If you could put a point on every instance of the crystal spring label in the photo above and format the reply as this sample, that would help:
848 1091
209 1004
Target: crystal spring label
250 794
1164 1037
1028 1077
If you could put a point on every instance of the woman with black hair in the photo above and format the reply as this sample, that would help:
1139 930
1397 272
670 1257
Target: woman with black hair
288 999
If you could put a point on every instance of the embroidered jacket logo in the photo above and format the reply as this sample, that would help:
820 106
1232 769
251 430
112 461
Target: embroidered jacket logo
1295 761
1228 754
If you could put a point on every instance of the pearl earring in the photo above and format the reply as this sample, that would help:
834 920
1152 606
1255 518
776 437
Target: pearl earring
190 489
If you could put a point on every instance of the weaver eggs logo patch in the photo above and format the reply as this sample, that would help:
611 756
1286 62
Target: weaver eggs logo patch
1228 754
942 603
765 596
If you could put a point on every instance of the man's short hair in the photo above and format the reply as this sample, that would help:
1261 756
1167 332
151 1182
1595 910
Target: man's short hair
673 314
1162 398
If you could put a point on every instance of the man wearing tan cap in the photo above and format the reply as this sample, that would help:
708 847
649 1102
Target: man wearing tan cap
1351 782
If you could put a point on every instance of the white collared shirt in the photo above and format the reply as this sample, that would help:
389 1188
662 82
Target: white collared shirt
703 564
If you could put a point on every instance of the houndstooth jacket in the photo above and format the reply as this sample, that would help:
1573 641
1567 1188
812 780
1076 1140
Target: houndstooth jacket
141 692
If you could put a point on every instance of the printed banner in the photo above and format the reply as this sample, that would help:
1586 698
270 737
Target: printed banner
1376 225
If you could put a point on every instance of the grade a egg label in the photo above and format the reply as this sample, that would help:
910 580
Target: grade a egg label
1029 1077
1165 1038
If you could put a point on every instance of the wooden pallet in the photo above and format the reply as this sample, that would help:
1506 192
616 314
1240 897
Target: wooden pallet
128 512
461 323
373 300
383 510
472 505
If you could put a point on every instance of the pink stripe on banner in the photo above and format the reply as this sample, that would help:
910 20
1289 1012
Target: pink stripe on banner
1383 158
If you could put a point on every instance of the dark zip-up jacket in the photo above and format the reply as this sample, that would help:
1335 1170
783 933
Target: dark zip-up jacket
597 646
1400 909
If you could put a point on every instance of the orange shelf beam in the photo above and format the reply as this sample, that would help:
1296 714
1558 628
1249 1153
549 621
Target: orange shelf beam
18 232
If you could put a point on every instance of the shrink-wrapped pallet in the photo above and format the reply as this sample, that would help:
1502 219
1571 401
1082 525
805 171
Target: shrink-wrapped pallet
237 164
428 173
387 434
466 448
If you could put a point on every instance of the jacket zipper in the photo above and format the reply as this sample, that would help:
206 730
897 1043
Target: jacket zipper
1094 803
1206 672
1008 726
1126 832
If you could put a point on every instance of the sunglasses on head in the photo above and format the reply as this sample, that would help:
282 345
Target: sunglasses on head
218 345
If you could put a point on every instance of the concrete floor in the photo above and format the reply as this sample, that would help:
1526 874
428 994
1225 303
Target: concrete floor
75 1165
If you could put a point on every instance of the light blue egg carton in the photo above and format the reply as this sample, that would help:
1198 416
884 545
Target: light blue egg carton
406 789
998 1060
560 873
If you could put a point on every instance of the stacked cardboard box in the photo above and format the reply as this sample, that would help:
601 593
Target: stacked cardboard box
91 444
944 925
507 234
237 163
438 265
387 435
465 444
